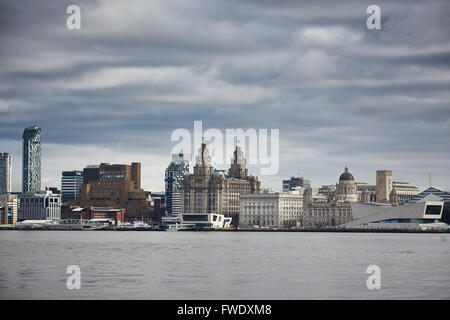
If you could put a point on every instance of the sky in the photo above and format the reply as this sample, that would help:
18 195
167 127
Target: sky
339 93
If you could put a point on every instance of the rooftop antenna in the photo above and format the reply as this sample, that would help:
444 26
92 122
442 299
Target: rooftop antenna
429 178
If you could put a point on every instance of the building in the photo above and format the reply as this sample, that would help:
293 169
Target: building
117 215
317 195
9 204
31 174
323 208
40 205
206 192
91 173
271 209
3 214
320 214
157 206
421 215
429 210
399 192
175 173
118 186
430 194
71 182
366 192
346 188
5 173
402 192
295 183
329 191
89 213
204 221
384 185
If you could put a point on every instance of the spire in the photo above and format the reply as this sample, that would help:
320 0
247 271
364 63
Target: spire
203 151
203 158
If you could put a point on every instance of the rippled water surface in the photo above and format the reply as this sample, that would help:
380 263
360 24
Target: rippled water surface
223 265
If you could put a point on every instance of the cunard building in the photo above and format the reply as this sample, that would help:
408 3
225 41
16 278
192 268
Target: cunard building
207 191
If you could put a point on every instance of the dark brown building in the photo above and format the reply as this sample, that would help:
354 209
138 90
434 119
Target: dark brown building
91 173
118 186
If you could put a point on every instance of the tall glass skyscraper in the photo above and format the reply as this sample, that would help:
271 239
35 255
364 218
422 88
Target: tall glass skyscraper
174 175
31 174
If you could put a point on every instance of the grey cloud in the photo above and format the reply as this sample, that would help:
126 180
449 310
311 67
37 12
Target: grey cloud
339 93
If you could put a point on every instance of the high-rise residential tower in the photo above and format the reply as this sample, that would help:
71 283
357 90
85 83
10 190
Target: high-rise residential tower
71 182
175 172
5 172
31 174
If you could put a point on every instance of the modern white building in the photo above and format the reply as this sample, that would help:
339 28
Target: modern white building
204 220
5 172
271 209
71 182
40 205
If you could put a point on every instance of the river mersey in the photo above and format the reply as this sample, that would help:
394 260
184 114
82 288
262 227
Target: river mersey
223 265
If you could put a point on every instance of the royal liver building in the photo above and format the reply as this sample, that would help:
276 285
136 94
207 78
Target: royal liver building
208 192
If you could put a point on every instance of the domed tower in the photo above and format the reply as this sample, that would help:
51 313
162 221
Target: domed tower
346 189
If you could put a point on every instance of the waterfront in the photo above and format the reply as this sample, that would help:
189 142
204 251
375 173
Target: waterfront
223 265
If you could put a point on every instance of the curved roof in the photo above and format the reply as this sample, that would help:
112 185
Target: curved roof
346 176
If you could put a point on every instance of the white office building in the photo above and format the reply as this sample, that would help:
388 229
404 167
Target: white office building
40 205
5 172
271 209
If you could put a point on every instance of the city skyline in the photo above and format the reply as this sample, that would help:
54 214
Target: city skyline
341 95
19 170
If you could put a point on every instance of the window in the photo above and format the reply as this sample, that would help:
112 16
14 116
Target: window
433 210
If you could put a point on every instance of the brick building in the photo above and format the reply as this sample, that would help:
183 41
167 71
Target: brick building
117 186
88 213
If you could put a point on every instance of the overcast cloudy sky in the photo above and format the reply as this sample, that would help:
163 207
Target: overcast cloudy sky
137 70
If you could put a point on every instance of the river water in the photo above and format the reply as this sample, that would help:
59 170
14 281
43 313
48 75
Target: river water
223 265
